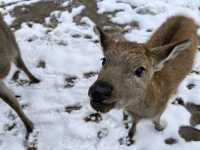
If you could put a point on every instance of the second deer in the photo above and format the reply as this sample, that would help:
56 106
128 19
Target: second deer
10 53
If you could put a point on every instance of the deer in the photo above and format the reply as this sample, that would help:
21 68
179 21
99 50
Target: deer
10 53
141 77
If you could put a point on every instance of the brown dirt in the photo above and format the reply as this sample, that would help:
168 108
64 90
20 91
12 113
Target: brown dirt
95 117
189 133
90 74
37 12
170 141
70 81
102 20
70 109
195 118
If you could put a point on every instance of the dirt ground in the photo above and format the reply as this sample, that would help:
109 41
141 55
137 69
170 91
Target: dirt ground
37 12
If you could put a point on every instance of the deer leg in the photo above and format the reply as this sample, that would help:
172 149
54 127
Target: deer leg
157 123
131 132
125 119
9 98
20 64
128 140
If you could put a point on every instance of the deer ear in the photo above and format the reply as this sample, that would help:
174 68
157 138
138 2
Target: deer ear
164 54
104 38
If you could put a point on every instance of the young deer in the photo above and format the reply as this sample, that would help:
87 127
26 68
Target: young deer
9 53
141 77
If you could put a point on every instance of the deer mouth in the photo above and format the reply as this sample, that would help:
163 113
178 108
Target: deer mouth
102 107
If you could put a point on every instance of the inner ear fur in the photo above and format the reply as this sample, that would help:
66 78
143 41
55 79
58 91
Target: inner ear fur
163 54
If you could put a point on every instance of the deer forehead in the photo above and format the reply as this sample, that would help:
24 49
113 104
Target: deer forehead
122 48
125 45
130 57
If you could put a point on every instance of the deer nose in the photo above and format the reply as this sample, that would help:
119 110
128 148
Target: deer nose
100 91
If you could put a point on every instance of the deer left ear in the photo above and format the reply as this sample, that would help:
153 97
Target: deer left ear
104 38
163 54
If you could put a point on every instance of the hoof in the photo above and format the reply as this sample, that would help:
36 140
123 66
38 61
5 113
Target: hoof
158 126
34 81
128 141
29 130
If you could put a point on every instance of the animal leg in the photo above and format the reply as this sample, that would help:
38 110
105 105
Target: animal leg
9 98
158 126
129 138
131 133
20 64
125 119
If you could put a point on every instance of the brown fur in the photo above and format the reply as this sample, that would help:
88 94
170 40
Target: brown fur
166 81
167 58
9 53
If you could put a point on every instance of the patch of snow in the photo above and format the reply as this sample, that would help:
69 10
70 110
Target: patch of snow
66 52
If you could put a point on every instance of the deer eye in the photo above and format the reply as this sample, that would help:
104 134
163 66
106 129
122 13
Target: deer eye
103 61
139 71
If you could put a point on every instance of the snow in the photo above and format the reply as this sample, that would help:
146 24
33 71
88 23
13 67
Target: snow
66 55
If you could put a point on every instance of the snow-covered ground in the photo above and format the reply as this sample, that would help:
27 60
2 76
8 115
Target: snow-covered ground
67 53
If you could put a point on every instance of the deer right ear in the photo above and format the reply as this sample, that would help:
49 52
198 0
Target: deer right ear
164 54
104 38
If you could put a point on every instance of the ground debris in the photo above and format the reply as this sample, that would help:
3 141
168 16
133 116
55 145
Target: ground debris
170 141
194 109
102 133
195 71
35 12
190 86
72 108
195 118
87 36
16 78
41 64
70 81
189 133
95 117
90 74
11 115
145 11
23 82
191 107
9 127
102 20
76 35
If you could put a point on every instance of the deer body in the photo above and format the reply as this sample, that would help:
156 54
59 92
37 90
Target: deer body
165 82
9 53
141 77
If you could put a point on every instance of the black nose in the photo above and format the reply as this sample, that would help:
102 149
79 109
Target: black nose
100 91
